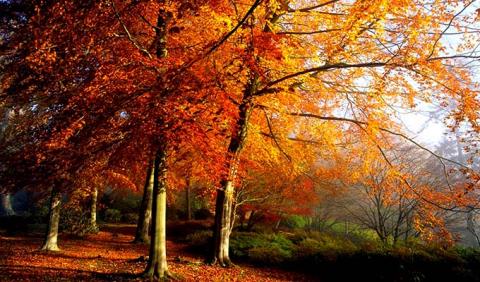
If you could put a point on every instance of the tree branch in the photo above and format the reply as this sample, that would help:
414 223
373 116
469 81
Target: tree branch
274 137
323 68
130 36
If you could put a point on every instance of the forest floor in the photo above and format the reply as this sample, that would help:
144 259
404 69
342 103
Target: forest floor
110 256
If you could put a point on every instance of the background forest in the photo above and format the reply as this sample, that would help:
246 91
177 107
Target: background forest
140 136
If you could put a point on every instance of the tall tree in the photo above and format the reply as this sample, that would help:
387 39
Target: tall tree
51 236
6 204
145 213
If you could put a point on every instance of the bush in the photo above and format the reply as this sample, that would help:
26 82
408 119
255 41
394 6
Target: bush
347 257
308 247
203 214
39 212
470 255
181 230
294 222
261 248
325 242
112 216
174 214
123 201
200 241
76 222
130 218
269 255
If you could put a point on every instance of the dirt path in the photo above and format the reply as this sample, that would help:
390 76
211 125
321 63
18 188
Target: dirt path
109 256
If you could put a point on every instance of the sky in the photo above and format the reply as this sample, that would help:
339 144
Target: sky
427 131
431 132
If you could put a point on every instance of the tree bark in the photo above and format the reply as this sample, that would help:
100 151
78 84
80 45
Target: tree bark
51 236
6 205
224 201
222 225
93 209
471 226
145 215
187 200
157 267
251 220
277 225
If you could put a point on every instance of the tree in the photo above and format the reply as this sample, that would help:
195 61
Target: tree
93 209
386 205
145 213
51 236
6 205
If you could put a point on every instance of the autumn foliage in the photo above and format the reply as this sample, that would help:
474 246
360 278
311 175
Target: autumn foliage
269 104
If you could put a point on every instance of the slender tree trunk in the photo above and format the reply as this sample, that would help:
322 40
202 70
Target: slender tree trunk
145 215
241 220
277 225
93 209
187 199
251 220
157 267
471 226
6 205
233 211
51 236
224 201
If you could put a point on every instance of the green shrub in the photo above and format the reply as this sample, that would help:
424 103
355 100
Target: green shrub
262 248
272 254
349 257
241 242
112 216
282 242
200 239
123 201
295 222
38 213
130 218
203 214
471 255
333 242
180 230
308 247
76 222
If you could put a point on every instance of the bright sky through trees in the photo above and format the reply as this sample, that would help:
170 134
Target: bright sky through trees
426 123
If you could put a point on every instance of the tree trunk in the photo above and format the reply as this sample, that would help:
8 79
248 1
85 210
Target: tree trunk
187 199
224 201
251 220
471 226
145 215
233 210
51 236
277 225
157 261
6 205
222 225
93 209
157 267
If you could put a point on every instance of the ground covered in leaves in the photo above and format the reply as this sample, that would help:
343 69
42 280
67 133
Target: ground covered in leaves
110 256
